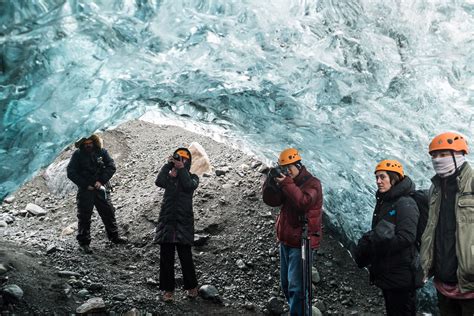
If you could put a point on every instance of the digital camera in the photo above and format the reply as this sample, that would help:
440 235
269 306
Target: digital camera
276 171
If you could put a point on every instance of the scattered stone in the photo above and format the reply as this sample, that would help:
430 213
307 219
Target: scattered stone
321 306
51 248
3 269
222 171
227 186
12 293
3 223
208 292
200 240
95 287
68 230
68 274
315 311
275 306
35 209
133 311
152 282
83 293
9 199
95 304
119 297
315 278
8 218
241 264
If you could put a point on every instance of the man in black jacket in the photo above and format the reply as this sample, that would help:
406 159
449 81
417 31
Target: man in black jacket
91 168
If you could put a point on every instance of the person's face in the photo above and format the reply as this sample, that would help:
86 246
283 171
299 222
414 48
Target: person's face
440 154
88 145
383 181
293 171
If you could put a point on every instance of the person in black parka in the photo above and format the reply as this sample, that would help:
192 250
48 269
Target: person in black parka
91 168
175 228
389 249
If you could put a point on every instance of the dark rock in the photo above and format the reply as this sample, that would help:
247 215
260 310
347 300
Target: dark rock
95 287
66 274
12 293
200 240
119 297
275 306
208 292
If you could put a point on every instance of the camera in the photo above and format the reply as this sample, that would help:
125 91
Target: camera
275 172
176 156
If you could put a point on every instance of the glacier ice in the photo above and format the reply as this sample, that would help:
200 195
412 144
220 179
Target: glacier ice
347 82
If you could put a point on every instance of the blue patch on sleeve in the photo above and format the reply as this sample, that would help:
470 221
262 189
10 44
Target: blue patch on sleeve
392 212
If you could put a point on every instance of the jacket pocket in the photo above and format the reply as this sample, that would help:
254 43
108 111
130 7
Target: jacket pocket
465 240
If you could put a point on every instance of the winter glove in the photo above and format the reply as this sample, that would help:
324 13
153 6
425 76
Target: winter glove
363 252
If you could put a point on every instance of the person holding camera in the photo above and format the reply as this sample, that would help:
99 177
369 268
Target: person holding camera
300 196
175 228
91 168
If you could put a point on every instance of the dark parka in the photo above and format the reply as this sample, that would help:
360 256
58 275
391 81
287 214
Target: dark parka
84 168
393 235
297 197
176 221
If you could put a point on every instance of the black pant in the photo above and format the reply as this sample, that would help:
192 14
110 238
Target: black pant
167 267
452 307
86 200
400 302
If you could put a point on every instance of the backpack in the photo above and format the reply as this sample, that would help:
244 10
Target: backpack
421 199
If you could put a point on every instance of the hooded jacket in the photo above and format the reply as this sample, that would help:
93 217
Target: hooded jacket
176 221
85 168
464 241
298 198
394 226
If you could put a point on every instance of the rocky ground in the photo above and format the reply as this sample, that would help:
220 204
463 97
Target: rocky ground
42 271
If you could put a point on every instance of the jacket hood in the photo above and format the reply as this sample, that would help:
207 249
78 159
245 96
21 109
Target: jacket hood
189 162
95 139
402 188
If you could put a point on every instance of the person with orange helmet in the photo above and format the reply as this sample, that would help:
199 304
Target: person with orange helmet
447 244
389 248
175 228
300 196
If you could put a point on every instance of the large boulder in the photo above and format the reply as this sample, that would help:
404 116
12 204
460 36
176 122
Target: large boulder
201 163
57 180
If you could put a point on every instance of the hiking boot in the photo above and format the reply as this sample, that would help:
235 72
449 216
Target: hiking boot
119 240
167 297
85 249
192 293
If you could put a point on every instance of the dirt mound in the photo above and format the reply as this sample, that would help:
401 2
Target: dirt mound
237 251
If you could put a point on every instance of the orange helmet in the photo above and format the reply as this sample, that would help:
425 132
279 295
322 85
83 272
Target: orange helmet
390 165
183 153
289 156
449 141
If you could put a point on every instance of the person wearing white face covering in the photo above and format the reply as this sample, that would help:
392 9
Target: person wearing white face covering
447 244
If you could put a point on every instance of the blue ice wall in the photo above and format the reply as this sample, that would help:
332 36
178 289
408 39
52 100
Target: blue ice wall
347 82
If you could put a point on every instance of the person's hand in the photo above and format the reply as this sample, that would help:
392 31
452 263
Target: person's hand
280 178
170 159
97 185
178 164
90 187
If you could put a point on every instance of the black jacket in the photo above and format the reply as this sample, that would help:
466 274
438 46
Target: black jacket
390 246
176 221
85 168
